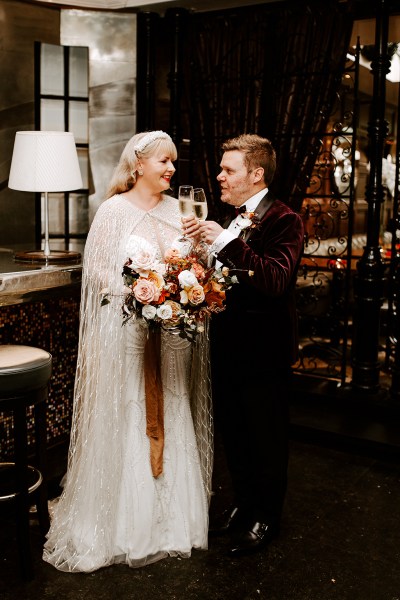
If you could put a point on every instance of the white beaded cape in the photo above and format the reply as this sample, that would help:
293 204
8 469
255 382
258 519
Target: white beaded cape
112 509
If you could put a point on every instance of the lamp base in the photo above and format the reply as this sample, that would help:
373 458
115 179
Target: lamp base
55 256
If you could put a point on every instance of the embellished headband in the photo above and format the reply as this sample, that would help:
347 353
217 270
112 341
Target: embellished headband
150 137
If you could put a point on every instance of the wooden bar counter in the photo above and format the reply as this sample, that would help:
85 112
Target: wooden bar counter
39 306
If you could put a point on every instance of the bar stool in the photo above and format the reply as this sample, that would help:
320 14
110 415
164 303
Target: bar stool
24 376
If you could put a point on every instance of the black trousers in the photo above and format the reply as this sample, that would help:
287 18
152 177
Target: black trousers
251 413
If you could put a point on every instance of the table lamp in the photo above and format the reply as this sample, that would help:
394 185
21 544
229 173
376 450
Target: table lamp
45 161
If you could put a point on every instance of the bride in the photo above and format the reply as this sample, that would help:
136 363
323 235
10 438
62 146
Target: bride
114 508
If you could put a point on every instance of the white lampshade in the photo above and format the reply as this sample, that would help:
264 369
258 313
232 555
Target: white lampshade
44 161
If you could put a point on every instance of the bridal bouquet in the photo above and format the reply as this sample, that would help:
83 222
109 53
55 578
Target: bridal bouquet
177 294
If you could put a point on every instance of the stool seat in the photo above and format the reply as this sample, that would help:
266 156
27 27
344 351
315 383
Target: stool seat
7 480
23 369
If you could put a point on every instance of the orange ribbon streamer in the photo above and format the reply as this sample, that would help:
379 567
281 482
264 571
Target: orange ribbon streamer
154 400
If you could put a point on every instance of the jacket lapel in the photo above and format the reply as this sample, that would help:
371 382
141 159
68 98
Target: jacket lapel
264 205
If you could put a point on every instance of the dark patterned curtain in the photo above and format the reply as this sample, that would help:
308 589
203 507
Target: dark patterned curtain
272 70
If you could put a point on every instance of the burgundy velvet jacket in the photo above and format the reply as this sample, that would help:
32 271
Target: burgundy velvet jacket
259 324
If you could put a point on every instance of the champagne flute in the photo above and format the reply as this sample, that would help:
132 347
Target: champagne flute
200 204
185 197
200 211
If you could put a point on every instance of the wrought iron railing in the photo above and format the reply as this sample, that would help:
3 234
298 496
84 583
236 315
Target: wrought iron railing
330 247
335 237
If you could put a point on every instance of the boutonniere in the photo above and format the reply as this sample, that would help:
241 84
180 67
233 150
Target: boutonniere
248 220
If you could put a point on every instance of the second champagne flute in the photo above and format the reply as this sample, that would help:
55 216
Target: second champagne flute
201 211
200 204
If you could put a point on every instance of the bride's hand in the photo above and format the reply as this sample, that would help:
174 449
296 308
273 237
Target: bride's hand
191 227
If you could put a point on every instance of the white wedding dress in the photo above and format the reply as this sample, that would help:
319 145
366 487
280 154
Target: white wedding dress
112 509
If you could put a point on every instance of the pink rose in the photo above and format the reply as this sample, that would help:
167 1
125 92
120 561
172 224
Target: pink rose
145 291
142 261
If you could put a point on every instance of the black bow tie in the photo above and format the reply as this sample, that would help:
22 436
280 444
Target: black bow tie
240 209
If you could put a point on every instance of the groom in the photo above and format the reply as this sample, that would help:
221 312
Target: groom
254 341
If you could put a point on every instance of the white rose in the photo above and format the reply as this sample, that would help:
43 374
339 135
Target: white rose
149 311
187 279
164 312
245 223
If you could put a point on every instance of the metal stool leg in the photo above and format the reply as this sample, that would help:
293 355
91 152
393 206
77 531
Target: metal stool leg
41 453
22 498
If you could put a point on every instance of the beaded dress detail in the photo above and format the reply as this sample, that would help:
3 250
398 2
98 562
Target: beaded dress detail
112 509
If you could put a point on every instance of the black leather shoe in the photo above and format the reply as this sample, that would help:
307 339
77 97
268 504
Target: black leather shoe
255 539
230 521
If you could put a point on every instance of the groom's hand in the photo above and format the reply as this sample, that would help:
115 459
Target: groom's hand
209 231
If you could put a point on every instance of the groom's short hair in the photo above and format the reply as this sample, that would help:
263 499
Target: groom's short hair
257 152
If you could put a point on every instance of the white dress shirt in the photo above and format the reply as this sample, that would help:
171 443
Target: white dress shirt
233 230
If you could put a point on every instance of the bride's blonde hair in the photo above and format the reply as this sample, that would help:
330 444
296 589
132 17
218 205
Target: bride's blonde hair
141 145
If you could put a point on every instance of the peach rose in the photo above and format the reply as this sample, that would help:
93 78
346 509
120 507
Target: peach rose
145 291
196 295
157 279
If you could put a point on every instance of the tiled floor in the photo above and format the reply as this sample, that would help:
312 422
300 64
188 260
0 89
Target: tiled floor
340 540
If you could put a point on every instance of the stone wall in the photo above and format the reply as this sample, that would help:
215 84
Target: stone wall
21 24
111 38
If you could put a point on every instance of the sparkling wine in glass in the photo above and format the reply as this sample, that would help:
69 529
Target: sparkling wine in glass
201 211
185 197
200 204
